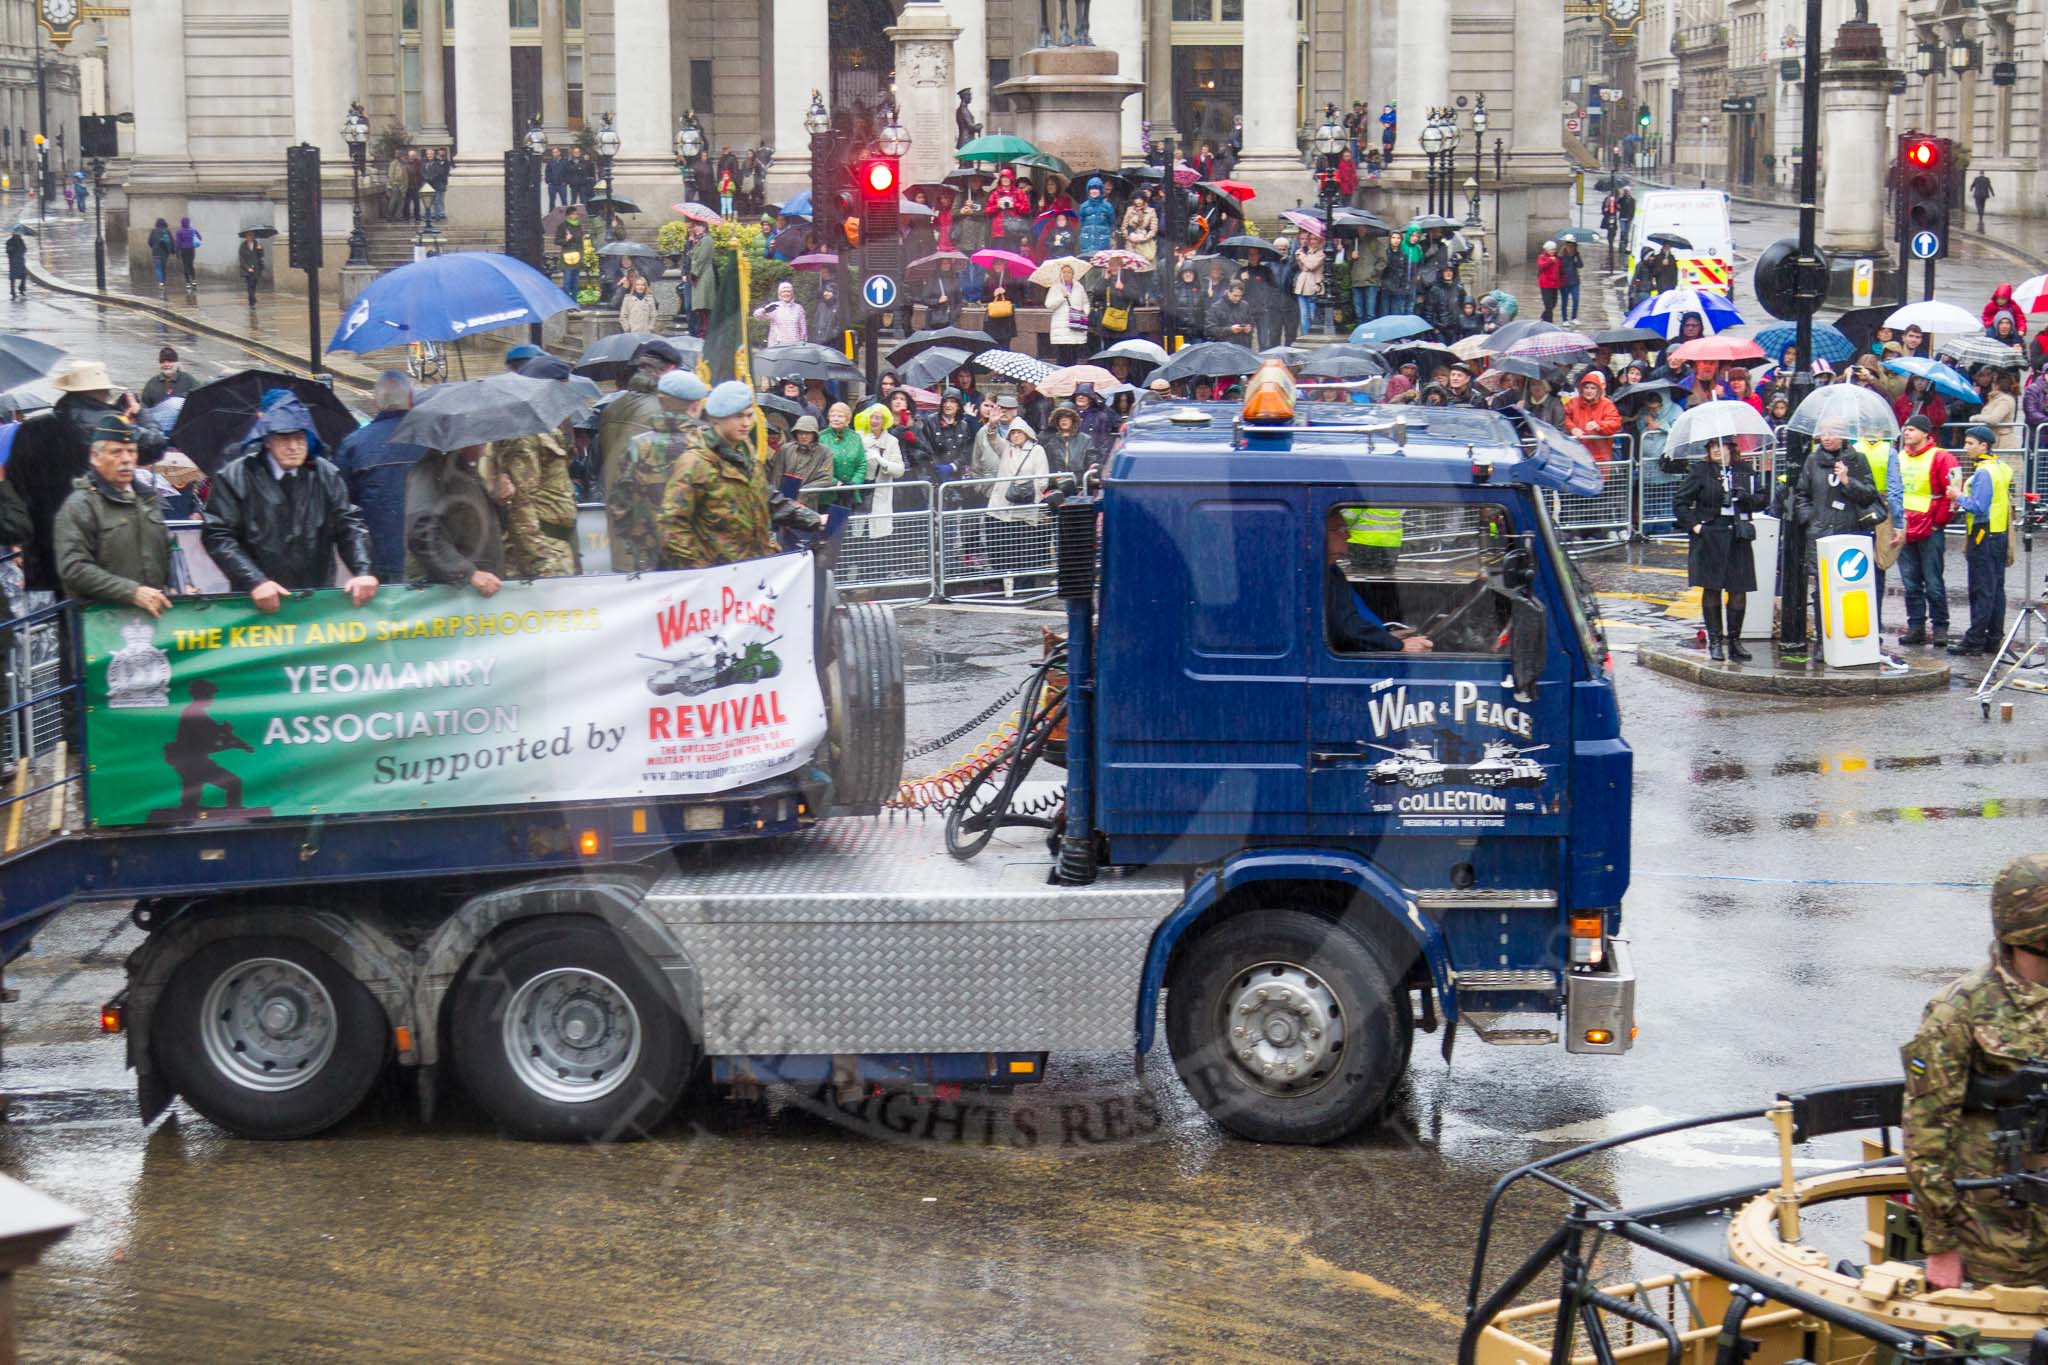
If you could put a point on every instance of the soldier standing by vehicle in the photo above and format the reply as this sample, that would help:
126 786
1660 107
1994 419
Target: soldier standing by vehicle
111 542
1982 1026
715 510
632 501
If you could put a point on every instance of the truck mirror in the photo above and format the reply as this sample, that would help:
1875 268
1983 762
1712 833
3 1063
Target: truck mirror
1528 644
1518 568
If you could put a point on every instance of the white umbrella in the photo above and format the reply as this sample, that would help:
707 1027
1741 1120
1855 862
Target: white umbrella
2031 294
1932 315
1856 412
1048 274
1134 348
1723 420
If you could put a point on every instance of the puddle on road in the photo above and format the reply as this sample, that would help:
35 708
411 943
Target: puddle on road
1713 770
2022 808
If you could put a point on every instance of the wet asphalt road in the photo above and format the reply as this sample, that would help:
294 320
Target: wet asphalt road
1805 874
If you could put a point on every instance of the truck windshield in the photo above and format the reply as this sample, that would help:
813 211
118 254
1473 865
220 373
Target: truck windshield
1585 607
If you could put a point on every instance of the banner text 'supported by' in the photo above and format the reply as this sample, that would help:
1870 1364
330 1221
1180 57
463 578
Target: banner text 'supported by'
566 689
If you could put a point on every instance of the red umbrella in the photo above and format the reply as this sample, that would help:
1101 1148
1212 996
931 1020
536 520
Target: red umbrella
816 260
1236 189
1009 262
1717 348
697 212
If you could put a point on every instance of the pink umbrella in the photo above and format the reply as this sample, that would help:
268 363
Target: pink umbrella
1061 383
1009 262
701 213
1184 174
1307 222
1117 256
924 398
816 260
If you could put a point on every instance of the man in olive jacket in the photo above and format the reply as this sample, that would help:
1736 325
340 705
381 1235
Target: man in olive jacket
111 545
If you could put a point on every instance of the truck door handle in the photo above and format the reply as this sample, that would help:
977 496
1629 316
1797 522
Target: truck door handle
1323 758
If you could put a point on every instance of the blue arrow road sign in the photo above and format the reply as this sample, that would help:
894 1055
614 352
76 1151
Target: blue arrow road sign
1926 245
879 291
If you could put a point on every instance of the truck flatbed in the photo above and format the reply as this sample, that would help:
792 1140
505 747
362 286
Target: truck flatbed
865 936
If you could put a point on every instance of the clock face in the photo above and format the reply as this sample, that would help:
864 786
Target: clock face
60 13
1624 12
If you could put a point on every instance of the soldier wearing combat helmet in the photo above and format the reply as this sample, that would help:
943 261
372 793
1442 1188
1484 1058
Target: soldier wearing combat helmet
1985 1024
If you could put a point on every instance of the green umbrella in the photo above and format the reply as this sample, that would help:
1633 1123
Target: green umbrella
1043 161
1577 234
994 147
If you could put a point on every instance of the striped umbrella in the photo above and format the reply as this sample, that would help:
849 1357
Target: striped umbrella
1968 352
1013 365
1552 345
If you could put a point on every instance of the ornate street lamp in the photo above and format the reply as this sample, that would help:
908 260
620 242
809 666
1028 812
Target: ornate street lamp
1924 59
607 150
1478 150
355 131
892 140
1961 56
536 138
1329 144
1432 148
817 118
690 138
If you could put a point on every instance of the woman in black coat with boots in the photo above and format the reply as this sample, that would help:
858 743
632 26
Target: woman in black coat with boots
1714 504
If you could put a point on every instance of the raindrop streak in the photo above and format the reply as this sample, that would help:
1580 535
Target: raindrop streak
2023 808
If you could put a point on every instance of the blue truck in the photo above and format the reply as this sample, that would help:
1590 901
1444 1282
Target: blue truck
1342 763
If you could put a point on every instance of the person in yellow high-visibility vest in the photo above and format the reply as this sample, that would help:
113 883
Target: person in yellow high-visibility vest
1373 537
1986 502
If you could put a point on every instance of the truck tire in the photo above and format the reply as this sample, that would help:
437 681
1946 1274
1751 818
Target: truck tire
864 696
1253 1011
561 1031
269 1037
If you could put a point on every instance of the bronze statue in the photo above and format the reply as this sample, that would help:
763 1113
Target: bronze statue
1077 38
965 129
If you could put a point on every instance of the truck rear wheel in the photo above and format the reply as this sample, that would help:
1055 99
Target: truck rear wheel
269 1037
864 687
1287 1027
561 1031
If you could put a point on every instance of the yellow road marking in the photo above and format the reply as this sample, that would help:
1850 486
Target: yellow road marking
1380 1289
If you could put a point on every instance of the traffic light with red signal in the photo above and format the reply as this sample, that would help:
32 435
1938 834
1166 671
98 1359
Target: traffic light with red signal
1925 169
878 183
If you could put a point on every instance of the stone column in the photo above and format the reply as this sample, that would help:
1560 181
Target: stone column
1119 25
1159 69
970 57
924 36
1272 161
323 77
1539 81
433 129
1855 88
483 82
803 63
645 109
159 85
554 73
1422 81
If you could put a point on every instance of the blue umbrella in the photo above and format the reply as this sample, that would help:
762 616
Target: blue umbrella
1945 378
1829 343
1393 327
798 205
1665 312
445 298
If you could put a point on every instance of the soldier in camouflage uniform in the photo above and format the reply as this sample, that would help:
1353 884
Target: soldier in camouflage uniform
540 515
632 500
715 510
1986 1023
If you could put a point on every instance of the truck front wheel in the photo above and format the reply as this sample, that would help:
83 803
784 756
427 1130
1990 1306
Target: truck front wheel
562 1032
269 1037
1287 1027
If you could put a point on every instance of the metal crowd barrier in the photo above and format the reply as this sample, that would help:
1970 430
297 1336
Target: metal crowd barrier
1605 518
986 558
884 550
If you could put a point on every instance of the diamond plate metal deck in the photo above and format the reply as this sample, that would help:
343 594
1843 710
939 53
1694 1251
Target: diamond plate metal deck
865 936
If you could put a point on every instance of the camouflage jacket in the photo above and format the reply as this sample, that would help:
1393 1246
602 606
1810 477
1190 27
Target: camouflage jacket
1988 1021
539 469
716 508
632 501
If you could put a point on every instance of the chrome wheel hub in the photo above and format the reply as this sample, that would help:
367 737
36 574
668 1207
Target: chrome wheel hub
1284 1028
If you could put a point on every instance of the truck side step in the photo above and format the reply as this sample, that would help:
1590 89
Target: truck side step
1485 898
1483 981
1489 1028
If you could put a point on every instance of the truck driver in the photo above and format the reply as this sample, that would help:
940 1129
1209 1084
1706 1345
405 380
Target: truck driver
1354 626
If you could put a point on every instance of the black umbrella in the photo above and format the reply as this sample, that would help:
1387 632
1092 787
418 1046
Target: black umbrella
256 230
1860 324
928 369
1670 239
1427 221
1648 386
23 359
214 424
959 338
1208 360
473 411
25 230
807 360
1361 219
1230 246
1610 182
1519 330
1629 336
611 359
790 242
1526 366
910 208
636 250
775 402
616 203
1340 366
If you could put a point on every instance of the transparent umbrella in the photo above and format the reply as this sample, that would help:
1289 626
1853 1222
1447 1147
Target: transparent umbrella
1723 420
1852 411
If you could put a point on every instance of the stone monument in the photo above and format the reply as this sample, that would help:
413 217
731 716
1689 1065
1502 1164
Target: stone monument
924 36
1855 88
1067 96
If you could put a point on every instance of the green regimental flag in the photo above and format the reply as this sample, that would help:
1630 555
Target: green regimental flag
565 689
728 330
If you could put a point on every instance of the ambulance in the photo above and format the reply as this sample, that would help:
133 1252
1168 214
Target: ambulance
1700 217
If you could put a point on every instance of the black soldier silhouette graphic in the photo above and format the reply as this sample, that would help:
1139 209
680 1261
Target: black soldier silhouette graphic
190 753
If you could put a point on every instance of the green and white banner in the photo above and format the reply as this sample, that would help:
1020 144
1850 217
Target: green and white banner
565 689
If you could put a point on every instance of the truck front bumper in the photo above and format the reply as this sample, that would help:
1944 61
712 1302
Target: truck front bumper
1600 1007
